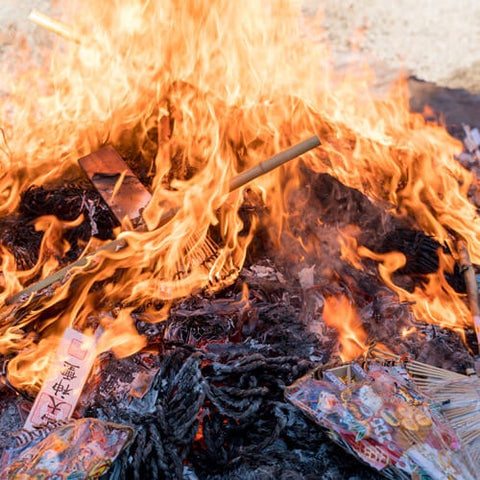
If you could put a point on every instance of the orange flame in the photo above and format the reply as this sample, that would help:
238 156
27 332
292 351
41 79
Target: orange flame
435 301
408 331
340 314
28 370
204 90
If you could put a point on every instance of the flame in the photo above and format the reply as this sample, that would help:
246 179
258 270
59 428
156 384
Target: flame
120 336
348 247
434 301
339 313
27 371
202 91
408 331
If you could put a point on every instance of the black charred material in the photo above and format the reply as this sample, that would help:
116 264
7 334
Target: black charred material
421 254
67 203
245 413
21 239
18 234
198 321
342 205
444 348
420 250
229 390
164 436
381 232
250 432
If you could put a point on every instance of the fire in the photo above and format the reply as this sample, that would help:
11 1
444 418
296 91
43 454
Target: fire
435 301
198 92
27 371
348 247
340 314
408 331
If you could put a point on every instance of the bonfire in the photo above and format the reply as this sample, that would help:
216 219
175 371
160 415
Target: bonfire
213 299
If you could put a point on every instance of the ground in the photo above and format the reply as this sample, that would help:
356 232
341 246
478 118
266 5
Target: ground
435 40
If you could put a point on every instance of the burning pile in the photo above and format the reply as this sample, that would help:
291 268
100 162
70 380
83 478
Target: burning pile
213 299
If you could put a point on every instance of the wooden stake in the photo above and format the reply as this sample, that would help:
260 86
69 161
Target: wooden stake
471 283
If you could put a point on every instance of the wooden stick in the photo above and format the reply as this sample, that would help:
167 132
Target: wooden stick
274 162
416 368
237 182
53 25
60 275
471 283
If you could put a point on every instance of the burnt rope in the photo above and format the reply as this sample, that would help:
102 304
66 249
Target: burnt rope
240 402
164 437
202 418
220 411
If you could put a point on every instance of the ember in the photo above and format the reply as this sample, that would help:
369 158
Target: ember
142 226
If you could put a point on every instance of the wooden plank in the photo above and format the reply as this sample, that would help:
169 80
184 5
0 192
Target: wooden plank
117 184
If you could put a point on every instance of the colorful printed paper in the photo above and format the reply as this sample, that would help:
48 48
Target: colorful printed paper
378 415
75 450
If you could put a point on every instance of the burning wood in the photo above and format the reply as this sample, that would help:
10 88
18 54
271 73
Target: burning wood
116 183
472 287
237 182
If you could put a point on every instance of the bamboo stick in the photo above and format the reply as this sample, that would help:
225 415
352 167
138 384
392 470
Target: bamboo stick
237 182
471 283
421 372
458 396
60 275
274 162
53 25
